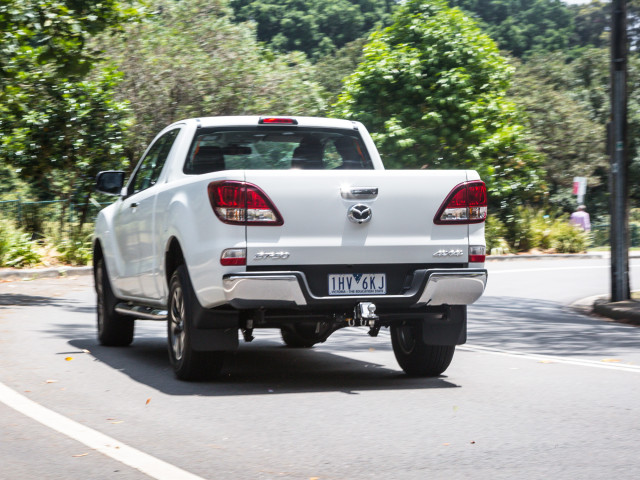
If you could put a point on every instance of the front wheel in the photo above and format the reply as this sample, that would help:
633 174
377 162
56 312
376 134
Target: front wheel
187 363
114 330
417 358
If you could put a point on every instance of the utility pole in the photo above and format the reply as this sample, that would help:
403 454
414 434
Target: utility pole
618 151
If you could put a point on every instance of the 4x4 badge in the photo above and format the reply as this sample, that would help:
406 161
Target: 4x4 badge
360 213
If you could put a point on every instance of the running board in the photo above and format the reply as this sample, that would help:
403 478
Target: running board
139 311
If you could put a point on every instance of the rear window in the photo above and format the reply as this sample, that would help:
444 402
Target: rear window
275 148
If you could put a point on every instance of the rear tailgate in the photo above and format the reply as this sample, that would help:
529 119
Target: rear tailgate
317 230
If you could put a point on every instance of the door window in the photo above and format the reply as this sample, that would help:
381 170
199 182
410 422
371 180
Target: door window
151 165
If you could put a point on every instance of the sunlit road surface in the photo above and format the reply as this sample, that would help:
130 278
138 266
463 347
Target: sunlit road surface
539 391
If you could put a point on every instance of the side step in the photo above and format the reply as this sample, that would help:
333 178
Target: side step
140 311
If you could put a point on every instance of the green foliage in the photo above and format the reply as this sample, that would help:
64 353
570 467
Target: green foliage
315 27
567 105
495 233
523 26
54 33
567 238
16 247
75 249
66 132
591 23
561 125
190 59
11 186
331 70
528 228
431 88
57 126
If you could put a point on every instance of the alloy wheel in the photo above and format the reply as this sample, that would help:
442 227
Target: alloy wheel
176 327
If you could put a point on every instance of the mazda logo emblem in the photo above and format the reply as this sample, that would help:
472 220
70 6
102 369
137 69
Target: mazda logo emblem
360 213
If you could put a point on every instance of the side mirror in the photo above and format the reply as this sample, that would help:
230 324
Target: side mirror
110 182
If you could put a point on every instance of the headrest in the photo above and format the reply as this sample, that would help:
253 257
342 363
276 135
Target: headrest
207 159
308 155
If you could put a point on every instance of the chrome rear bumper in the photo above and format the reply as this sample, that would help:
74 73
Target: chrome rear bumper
431 287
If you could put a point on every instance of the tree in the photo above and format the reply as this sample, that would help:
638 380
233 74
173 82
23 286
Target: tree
591 24
431 88
567 102
54 33
71 130
189 59
57 127
523 26
316 27
331 70
562 125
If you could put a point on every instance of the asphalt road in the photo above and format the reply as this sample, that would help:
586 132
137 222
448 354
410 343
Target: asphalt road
539 391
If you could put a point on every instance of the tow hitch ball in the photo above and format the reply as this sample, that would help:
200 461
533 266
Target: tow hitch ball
365 314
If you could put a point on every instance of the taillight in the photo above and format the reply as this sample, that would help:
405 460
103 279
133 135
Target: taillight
477 253
467 203
242 203
233 257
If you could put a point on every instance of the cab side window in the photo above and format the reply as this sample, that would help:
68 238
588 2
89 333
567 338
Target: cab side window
151 165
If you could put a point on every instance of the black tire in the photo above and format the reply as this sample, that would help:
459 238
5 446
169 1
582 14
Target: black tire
114 330
300 336
417 358
187 363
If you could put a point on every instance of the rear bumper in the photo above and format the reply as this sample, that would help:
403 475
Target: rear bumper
430 287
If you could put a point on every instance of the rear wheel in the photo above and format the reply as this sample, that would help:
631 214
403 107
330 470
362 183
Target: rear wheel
300 336
114 330
417 358
187 363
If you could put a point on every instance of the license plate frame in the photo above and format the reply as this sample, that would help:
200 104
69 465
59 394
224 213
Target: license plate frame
354 284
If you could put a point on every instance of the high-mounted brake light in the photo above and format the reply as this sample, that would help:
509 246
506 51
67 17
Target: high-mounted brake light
467 203
277 121
242 203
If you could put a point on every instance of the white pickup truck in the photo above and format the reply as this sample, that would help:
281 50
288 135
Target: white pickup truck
238 223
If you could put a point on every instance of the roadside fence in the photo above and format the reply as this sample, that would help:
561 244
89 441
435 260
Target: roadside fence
600 234
39 218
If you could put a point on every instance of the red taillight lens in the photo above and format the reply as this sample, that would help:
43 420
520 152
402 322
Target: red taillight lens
277 121
467 203
242 203
477 253
233 257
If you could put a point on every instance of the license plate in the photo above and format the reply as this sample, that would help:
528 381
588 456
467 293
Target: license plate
357 284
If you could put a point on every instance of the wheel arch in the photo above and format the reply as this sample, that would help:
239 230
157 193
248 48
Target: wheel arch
173 258
97 255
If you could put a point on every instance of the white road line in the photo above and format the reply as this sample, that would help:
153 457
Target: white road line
153 467
549 358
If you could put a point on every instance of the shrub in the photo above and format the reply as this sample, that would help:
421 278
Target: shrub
528 228
567 238
16 247
75 249
495 233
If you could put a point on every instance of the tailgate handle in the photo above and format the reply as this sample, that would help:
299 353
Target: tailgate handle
361 193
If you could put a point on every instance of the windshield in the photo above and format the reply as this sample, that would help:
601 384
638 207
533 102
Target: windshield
273 148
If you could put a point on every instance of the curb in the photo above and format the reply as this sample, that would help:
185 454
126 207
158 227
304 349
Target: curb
555 256
551 256
627 311
33 273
